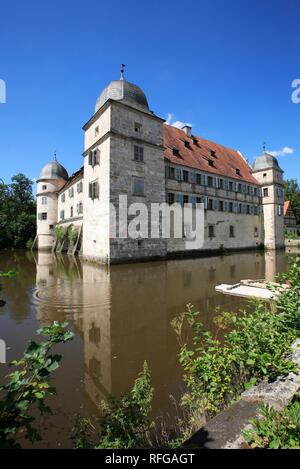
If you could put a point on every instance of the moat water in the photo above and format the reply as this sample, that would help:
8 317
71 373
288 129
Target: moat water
121 316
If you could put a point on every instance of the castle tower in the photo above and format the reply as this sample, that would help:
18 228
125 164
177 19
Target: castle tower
268 173
51 179
123 156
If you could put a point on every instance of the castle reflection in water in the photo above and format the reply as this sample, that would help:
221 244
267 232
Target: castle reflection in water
123 313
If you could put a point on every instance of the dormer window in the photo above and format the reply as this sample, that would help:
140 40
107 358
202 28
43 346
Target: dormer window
195 142
175 151
213 153
238 172
210 163
187 144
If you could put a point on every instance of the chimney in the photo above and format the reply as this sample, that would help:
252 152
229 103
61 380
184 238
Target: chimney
187 128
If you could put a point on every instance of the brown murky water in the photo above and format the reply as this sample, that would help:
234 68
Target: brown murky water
121 316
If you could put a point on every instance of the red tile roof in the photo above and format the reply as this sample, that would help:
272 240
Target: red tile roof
196 156
287 204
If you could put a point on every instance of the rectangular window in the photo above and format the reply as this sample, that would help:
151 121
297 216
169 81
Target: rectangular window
137 127
230 207
255 231
62 214
138 186
51 227
210 204
210 163
221 206
171 198
79 208
280 211
170 172
71 212
178 174
265 192
198 179
138 153
175 151
63 198
96 131
185 199
94 190
44 200
210 181
221 184
231 231
79 187
44 216
94 157
211 231
230 186
248 210
71 192
44 188
185 176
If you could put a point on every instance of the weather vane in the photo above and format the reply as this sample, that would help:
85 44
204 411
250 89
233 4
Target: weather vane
122 71
55 156
264 147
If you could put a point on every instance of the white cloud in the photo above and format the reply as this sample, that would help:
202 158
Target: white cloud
285 151
171 121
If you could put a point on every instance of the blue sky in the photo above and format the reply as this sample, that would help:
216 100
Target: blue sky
224 66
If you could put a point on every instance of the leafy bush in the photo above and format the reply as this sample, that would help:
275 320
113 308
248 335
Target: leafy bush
72 234
276 430
60 235
28 387
124 422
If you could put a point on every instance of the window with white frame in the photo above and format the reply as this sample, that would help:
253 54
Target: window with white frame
44 200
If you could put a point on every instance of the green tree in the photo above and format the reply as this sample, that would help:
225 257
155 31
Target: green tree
17 212
292 193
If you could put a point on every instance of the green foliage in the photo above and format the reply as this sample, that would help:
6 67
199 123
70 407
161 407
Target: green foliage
60 235
124 422
28 387
292 193
72 234
276 430
290 235
9 274
17 213
247 347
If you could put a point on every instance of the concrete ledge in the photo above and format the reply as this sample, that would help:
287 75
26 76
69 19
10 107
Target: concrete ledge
225 431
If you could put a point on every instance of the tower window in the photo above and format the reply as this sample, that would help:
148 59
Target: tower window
94 190
138 186
94 157
44 188
96 131
138 153
265 192
211 231
44 200
265 175
44 216
231 231
137 127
